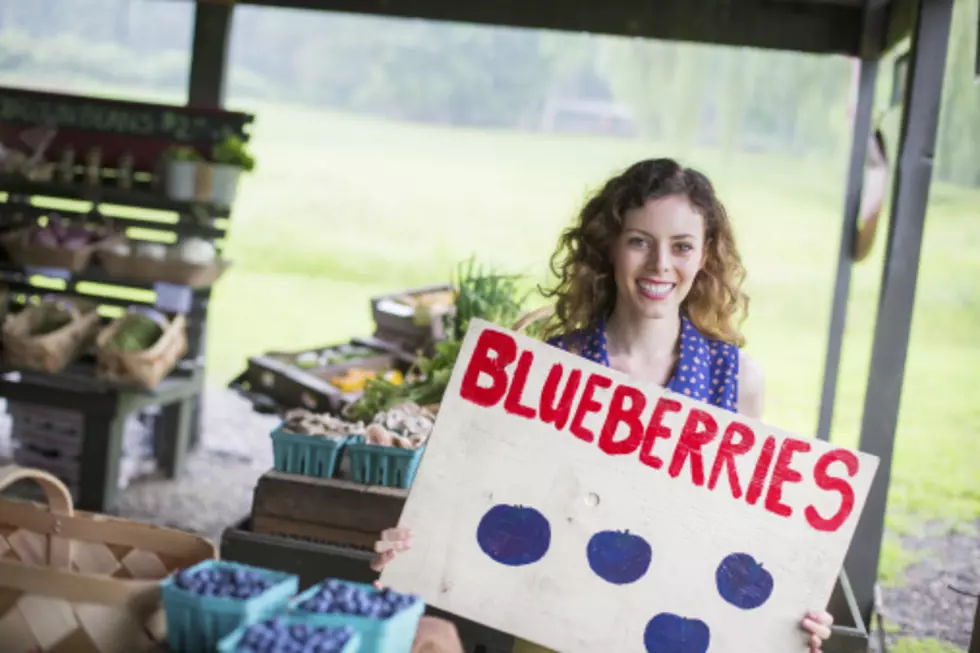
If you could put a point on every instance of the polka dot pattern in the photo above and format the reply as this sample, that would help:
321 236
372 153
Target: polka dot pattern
707 369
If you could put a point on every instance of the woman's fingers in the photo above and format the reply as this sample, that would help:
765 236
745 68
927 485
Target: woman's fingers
398 539
379 561
815 644
816 628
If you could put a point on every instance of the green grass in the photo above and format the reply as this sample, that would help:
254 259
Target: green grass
342 207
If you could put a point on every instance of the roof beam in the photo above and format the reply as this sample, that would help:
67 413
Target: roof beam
818 27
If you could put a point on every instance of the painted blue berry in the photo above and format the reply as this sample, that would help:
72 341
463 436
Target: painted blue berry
743 582
514 535
619 557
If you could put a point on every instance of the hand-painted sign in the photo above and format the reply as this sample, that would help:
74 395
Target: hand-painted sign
563 502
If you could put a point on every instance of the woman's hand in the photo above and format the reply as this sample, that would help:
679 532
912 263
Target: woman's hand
818 625
393 540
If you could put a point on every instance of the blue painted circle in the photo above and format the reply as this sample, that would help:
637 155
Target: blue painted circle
514 535
743 582
671 633
619 557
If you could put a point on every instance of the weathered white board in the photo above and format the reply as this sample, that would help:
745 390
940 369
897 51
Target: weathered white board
518 479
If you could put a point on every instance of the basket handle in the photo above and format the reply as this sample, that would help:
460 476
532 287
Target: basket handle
531 317
59 503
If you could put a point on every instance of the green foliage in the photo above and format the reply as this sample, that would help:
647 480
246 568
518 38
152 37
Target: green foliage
182 153
234 151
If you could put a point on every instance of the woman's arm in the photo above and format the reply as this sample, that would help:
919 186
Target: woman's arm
751 387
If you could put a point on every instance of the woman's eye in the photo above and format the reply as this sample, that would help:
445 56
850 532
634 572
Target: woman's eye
684 247
637 242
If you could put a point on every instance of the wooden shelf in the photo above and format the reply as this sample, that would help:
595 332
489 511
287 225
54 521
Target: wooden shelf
18 185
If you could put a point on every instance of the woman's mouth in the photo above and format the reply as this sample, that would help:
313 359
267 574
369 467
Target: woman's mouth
655 290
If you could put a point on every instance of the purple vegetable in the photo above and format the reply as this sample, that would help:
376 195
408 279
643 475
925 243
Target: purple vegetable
45 238
75 241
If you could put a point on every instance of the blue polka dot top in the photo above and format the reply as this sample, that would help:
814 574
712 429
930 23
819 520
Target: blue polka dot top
707 369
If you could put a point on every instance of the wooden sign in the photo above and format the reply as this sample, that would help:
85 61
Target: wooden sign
177 124
562 502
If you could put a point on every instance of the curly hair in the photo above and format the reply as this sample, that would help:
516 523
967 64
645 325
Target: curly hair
585 291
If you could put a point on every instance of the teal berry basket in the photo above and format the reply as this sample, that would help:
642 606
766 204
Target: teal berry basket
374 464
196 624
309 455
232 643
396 634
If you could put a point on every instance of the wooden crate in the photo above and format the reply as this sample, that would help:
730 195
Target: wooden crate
395 322
332 511
272 375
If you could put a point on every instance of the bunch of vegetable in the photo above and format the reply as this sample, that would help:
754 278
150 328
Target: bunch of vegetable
59 233
333 356
481 292
196 251
306 422
405 426
139 330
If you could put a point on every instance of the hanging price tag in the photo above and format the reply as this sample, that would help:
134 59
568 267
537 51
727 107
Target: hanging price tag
172 298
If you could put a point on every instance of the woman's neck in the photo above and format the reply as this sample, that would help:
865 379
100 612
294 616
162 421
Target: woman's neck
642 338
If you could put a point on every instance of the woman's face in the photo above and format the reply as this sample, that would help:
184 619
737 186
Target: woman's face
658 255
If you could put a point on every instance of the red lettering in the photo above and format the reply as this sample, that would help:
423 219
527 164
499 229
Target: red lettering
761 471
699 429
625 408
833 484
553 412
504 351
783 473
656 429
512 403
727 451
587 405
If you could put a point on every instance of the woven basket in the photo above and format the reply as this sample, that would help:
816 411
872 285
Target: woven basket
23 252
73 582
144 368
54 351
181 273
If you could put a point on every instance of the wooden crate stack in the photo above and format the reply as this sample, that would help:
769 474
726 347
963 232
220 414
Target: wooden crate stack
330 511
52 439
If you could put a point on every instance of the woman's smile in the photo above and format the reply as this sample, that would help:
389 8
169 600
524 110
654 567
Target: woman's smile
654 290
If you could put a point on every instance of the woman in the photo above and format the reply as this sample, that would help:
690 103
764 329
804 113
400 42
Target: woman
649 284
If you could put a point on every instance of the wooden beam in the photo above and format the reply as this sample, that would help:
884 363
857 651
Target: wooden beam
209 54
819 27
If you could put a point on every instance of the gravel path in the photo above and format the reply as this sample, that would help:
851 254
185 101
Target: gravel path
216 490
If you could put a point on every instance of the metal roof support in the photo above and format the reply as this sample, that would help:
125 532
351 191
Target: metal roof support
209 53
845 256
910 196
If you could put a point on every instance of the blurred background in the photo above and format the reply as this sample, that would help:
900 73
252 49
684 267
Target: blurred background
389 150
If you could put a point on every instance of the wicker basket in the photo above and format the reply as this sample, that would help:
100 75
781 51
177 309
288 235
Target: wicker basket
144 368
139 268
23 252
53 351
77 582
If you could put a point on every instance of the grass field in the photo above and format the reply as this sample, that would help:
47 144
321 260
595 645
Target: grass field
342 207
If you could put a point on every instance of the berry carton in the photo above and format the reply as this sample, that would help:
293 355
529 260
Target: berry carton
285 633
206 602
386 620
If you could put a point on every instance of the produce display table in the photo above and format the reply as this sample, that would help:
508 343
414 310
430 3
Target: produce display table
105 409
313 561
114 166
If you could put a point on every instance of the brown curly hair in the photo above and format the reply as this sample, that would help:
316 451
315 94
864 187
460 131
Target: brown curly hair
585 291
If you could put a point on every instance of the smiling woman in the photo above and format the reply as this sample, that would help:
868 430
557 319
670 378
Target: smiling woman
649 284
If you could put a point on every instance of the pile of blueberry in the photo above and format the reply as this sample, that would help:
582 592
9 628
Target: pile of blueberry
224 582
336 597
278 636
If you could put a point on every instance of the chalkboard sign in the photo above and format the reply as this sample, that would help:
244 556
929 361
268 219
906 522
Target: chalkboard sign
176 124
